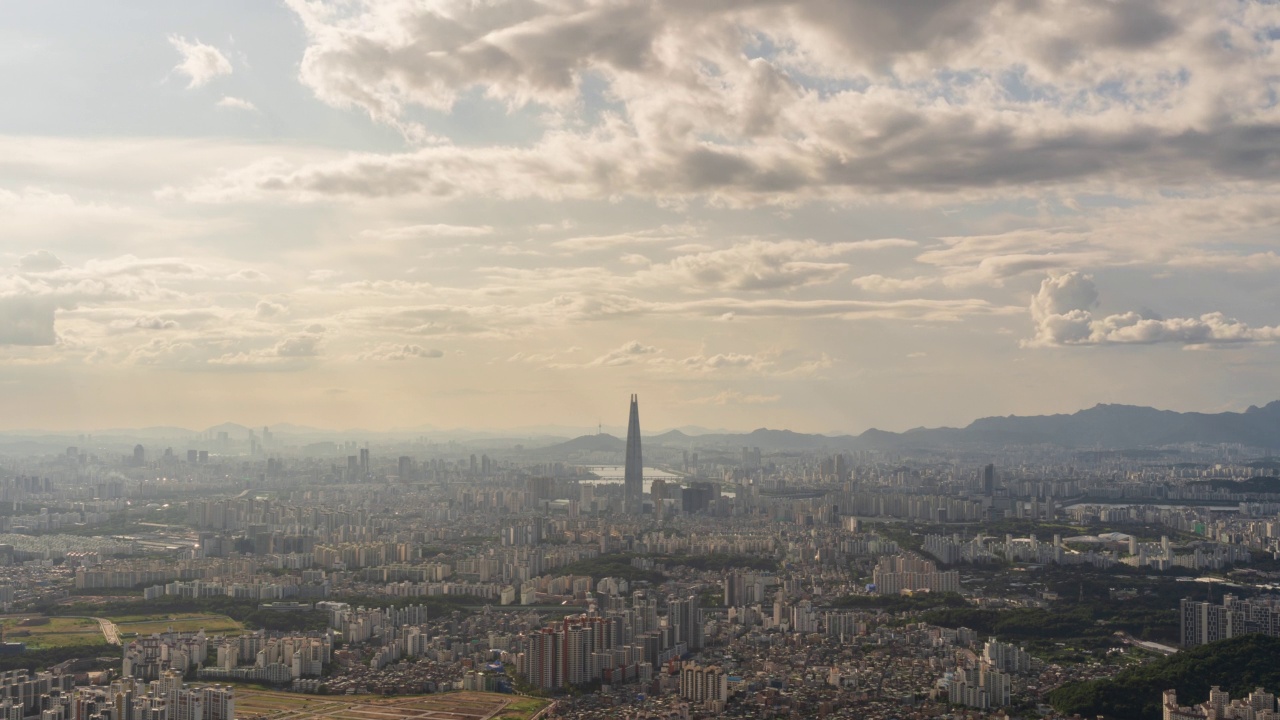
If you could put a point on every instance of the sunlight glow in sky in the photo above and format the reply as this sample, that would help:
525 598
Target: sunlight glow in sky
815 214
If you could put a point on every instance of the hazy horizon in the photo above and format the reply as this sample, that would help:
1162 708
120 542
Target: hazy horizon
558 429
824 217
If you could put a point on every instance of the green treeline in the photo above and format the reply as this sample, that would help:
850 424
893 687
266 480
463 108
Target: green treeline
900 603
1237 665
618 566
719 562
42 659
1061 623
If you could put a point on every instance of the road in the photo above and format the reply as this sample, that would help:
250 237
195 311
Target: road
109 631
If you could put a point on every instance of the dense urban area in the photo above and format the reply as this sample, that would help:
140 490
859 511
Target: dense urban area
260 573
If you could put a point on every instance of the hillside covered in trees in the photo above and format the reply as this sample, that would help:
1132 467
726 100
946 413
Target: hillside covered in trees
1237 665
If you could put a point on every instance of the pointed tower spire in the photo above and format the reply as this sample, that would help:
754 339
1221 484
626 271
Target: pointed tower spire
633 473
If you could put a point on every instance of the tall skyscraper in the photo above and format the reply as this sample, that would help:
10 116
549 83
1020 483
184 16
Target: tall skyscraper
633 473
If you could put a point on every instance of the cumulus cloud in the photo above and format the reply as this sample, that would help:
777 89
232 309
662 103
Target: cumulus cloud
200 62
1062 314
779 100
625 355
267 309
303 345
39 261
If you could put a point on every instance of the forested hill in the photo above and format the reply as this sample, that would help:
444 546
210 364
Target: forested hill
1237 665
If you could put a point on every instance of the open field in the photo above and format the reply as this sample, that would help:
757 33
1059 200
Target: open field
41 633
264 705
127 625
522 708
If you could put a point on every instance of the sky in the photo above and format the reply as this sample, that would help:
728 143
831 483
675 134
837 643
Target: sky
823 215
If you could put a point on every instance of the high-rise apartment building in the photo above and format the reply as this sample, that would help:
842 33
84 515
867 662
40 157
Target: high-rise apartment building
1204 622
701 684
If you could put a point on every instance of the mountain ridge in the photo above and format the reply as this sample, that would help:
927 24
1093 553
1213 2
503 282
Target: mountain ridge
1104 426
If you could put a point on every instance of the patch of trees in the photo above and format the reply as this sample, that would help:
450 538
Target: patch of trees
1063 622
900 603
720 562
42 659
618 566
1237 665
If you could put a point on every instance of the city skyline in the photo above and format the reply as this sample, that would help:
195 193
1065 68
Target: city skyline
826 216
1262 409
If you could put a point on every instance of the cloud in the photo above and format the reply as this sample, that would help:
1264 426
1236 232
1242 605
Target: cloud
249 275
811 367
153 322
39 261
754 266
1062 316
293 352
1063 294
458 319
266 309
782 101
200 62
589 243
922 309
624 355
385 288
1253 262
43 286
882 284
393 351
531 357
722 361
437 320
422 232
298 346
235 103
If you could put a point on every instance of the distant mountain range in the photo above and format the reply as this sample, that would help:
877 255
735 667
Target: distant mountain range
1109 427
1103 427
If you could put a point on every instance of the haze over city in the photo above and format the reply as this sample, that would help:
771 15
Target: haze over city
639 360
819 216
